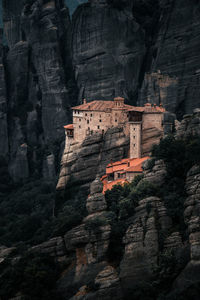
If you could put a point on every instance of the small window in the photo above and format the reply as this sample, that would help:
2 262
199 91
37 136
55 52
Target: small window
115 120
86 115
100 120
134 128
91 115
79 126
134 136
88 121
98 127
79 120
88 128
78 112
100 116
118 175
133 145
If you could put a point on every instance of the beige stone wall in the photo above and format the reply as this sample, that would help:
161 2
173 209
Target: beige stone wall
151 120
88 122
135 140
131 176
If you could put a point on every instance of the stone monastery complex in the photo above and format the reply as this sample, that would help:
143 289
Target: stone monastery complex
98 116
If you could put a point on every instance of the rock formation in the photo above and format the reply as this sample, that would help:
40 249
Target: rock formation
172 72
80 164
3 105
108 51
39 78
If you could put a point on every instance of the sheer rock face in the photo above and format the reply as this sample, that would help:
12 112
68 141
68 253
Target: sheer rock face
174 69
3 107
108 50
81 163
11 19
38 77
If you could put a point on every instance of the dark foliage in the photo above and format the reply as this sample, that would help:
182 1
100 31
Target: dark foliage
34 276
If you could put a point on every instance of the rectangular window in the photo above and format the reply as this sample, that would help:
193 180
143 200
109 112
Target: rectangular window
86 115
116 121
98 127
79 126
88 121
91 115
118 175
79 120
134 136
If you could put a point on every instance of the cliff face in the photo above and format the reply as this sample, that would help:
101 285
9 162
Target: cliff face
39 80
142 50
172 72
108 51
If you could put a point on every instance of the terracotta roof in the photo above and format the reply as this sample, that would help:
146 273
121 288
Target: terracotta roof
110 185
70 126
100 105
127 165
148 108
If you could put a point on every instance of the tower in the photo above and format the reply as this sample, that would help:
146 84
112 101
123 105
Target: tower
135 127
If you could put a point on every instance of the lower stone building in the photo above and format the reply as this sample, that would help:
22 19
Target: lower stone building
123 171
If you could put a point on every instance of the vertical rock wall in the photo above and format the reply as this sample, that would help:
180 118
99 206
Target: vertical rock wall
39 78
173 75
108 50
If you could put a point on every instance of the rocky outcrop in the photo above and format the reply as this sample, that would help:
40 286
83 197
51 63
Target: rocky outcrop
189 277
106 64
93 276
155 172
142 243
190 125
81 163
172 62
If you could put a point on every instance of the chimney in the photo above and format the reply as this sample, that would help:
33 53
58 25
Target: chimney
84 101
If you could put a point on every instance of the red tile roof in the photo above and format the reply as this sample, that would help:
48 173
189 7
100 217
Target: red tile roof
126 165
101 105
70 126
110 185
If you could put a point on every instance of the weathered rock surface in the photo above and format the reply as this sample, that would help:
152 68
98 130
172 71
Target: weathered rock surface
190 125
39 78
89 242
189 277
156 175
80 164
141 241
108 51
3 106
172 72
